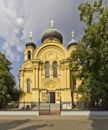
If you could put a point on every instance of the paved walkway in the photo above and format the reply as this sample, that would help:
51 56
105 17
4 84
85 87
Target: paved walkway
53 123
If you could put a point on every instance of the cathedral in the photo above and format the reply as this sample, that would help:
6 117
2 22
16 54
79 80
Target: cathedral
45 75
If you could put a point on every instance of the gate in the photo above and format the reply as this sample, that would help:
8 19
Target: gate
49 109
44 108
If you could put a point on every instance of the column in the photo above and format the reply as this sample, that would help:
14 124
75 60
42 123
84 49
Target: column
40 77
22 88
64 75
51 70
37 76
34 77
58 70
43 70
22 80
68 78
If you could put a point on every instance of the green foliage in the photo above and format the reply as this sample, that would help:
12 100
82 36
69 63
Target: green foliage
91 55
8 92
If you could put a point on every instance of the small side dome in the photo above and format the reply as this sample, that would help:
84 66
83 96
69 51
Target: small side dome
31 44
52 33
73 41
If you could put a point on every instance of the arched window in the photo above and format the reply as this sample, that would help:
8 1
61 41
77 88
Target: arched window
28 85
46 69
55 69
29 55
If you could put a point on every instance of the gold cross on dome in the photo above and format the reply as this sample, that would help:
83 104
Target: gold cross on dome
52 23
73 34
31 35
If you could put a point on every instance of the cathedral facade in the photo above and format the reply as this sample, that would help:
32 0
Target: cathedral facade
45 75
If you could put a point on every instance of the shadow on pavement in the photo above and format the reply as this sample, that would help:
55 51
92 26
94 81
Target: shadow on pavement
34 127
99 123
6 125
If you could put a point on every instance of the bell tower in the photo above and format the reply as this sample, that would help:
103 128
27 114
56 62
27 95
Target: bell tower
30 47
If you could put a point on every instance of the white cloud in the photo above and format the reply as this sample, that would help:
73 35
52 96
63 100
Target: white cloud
10 26
20 21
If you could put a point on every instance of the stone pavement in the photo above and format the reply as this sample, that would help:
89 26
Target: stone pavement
53 123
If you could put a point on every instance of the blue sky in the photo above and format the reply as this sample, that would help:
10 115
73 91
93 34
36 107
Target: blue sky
19 17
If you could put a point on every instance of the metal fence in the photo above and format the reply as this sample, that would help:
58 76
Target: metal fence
47 106
68 106
28 106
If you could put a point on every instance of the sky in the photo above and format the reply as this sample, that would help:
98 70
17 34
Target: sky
19 17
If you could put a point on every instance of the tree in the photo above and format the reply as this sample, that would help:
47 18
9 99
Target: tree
7 82
92 53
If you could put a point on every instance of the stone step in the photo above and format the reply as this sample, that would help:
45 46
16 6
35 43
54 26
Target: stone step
55 106
54 112
51 112
44 112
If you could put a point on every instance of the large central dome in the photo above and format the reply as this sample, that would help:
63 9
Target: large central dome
52 33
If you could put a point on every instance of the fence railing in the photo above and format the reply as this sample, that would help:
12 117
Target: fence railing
28 106
67 106
41 106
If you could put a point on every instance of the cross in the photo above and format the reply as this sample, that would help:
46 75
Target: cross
31 35
52 23
73 34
